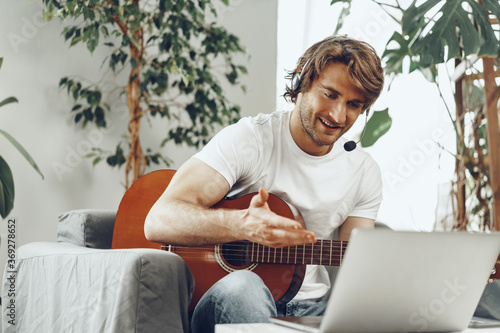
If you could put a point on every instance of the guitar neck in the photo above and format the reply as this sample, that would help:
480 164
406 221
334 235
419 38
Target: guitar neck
323 252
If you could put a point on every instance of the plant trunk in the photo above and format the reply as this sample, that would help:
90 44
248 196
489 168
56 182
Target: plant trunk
461 216
491 92
136 162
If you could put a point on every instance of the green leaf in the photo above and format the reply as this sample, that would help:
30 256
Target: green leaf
75 89
96 160
456 29
105 32
47 16
243 69
6 189
99 117
78 117
377 126
135 42
8 101
63 81
413 15
94 97
91 36
23 151
76 40
68 32
161 6
346 10
394 57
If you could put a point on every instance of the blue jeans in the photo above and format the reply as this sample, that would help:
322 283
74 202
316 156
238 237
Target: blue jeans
242 297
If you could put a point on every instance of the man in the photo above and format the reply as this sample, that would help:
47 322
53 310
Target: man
298 156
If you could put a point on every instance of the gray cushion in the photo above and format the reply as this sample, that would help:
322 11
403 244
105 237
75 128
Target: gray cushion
87 227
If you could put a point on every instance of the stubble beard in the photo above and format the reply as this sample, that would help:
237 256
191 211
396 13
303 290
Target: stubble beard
308 124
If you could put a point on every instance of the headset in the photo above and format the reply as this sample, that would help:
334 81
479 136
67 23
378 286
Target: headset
351 145
296 80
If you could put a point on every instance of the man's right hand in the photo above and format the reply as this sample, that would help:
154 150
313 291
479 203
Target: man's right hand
260 225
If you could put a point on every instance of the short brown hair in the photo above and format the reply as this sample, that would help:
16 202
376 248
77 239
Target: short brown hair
363 65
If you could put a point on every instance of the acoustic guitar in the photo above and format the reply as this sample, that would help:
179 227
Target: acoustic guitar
281 269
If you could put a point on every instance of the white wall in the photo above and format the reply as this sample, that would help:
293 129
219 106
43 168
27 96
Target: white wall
36 57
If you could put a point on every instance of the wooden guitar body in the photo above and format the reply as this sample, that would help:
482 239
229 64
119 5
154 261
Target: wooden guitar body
208 264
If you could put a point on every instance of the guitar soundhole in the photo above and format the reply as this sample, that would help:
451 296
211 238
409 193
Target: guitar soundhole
236 253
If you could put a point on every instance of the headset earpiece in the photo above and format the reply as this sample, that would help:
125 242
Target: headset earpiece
297 79
295 83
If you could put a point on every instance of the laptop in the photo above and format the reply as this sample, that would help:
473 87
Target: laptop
393 281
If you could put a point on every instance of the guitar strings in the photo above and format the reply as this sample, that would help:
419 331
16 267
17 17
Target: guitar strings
291 260
246 245
333 261
261 248
331 253
259 252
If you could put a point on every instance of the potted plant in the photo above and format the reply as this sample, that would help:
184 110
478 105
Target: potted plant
176 56
434 33
6 179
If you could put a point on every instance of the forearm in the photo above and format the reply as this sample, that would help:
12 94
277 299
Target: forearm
352 223
182 223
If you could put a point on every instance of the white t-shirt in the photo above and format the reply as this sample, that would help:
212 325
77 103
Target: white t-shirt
260 152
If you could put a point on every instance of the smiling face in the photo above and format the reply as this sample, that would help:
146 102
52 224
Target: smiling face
326 111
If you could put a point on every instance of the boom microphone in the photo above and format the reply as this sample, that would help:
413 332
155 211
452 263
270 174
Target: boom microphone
351 145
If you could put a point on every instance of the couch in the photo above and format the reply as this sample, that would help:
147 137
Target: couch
79 284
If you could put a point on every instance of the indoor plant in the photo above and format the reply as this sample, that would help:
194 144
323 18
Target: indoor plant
175 54
6 179
437 33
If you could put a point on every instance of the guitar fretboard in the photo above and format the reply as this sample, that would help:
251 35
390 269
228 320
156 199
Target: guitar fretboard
323 252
